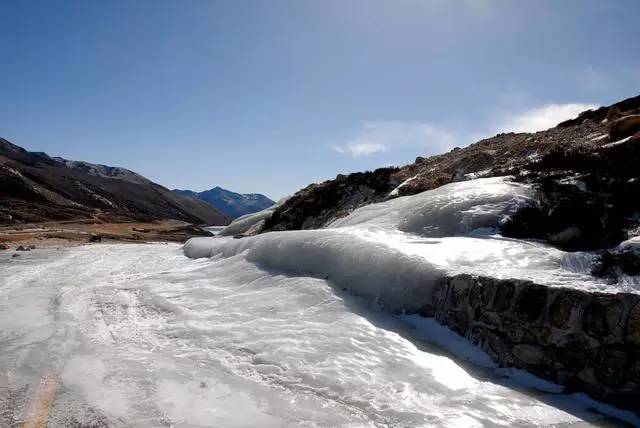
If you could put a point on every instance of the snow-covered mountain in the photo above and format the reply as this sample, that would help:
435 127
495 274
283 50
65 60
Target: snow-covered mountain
231 204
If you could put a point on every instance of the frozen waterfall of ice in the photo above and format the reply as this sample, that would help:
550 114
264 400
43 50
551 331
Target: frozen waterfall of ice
394 251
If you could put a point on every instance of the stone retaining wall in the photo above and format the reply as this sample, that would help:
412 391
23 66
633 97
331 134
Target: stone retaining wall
586 341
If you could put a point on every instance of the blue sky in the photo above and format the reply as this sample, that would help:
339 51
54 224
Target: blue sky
269 96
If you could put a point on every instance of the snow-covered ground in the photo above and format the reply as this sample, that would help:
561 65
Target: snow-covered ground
140 335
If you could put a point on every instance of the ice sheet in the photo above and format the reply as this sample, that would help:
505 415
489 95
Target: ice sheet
140 335
382 248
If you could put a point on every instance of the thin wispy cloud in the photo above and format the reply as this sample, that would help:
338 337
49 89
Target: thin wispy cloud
361 148
380 137
541 118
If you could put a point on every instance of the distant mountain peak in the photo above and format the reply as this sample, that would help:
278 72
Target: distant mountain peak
231 204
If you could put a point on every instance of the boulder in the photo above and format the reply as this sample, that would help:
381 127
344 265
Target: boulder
95 238
624 127
622 260
613 114
3 246
21 248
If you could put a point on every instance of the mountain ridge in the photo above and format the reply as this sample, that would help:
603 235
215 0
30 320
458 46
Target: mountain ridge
35 187
231 204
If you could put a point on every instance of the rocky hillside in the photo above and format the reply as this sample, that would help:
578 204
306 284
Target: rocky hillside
229 203
35 187
586 169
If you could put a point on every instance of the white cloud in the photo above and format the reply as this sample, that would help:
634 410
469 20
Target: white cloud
361 148
379 137
385 136
541 118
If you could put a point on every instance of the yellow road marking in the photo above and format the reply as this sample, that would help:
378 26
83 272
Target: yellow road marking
43 402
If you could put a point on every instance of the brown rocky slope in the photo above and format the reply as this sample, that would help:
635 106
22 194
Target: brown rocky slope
35 187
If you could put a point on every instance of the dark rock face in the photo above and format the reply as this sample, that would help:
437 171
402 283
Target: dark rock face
588 198
611 263
586 341
317 204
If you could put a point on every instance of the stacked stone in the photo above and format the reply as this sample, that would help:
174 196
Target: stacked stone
586 341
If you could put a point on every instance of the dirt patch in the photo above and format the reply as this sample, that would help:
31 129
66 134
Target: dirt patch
81 232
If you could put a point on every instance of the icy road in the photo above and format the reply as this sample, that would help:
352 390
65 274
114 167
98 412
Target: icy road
141 335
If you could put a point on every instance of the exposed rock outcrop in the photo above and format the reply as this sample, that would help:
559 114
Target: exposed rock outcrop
318 204
622 260
588 197
624 127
